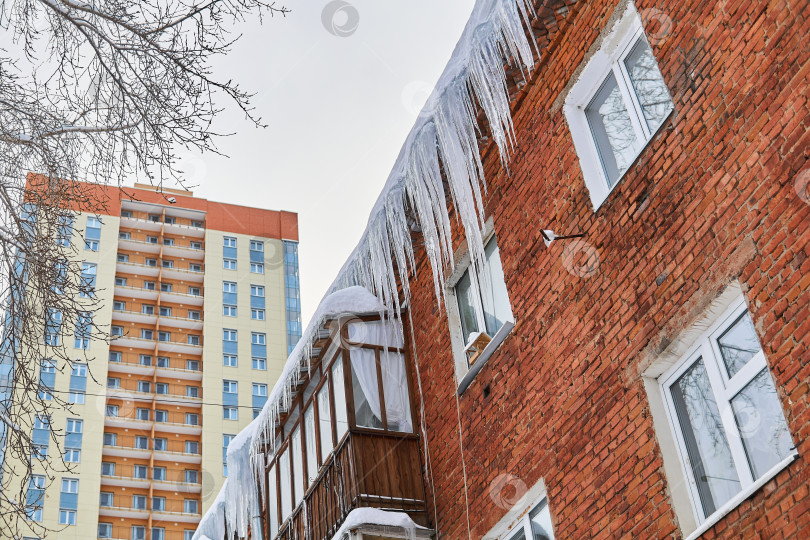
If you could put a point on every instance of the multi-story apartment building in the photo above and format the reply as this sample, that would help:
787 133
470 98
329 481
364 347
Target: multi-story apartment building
612 342
202 303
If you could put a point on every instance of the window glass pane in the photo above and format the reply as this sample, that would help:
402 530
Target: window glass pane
612 129
466 307
325 421
540 520
706 443
652 92
365 388
494 298
738 344
312 453
762 425
395 390
272 498
341 416
298 465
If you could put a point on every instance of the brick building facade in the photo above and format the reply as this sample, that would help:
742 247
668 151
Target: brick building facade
716 202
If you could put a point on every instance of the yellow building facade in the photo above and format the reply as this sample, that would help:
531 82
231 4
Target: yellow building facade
202 303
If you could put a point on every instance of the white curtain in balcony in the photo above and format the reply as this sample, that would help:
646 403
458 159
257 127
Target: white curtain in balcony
385 334
366 390
395 389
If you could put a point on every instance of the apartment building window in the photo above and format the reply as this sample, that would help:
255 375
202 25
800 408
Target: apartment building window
190 506
114 383
257 245
117 331
229 360
141 442
126 213
257 314
74 426
159 473
161 388
162 361
111 411
72 455
229 311
138 532
193 339
162 416
67 517
145 387
151 262
158 504
167 264
152 240
230 413
258 338
78 369
118 305
257 291
226 440
142 414
230 387
165 311
87 283
106 499
168 242
229 293
192 419
194 291
120 282
139 502
122 258
70 485
108 469
147 334
724 410
191 476
194 315
482 303
259 390
192 365
110 439
229 264
535 525
188 534
92 233
166 287
229 242
76 397
161 444
64 230
193 391
169 220
122 235
228 337
195 245
149 285
259 363
616 106
257 268
148 309
192 447
145 359
115 356
53 327
194 267
105 530
164 335
140 472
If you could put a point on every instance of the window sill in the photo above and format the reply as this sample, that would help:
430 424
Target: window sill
735 501
504 331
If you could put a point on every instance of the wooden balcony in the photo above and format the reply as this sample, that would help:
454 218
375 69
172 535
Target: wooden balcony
368 470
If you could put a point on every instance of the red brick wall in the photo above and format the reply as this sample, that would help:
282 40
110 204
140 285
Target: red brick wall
712 198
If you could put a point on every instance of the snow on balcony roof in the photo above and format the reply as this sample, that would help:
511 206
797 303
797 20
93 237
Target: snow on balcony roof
360 517
442 147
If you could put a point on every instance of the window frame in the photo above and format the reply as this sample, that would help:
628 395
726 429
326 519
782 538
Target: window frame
609 59
465 373
724 389
228 264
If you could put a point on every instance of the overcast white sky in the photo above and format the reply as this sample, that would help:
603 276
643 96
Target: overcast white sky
338 110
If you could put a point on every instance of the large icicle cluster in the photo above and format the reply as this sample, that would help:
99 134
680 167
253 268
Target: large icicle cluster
444 140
